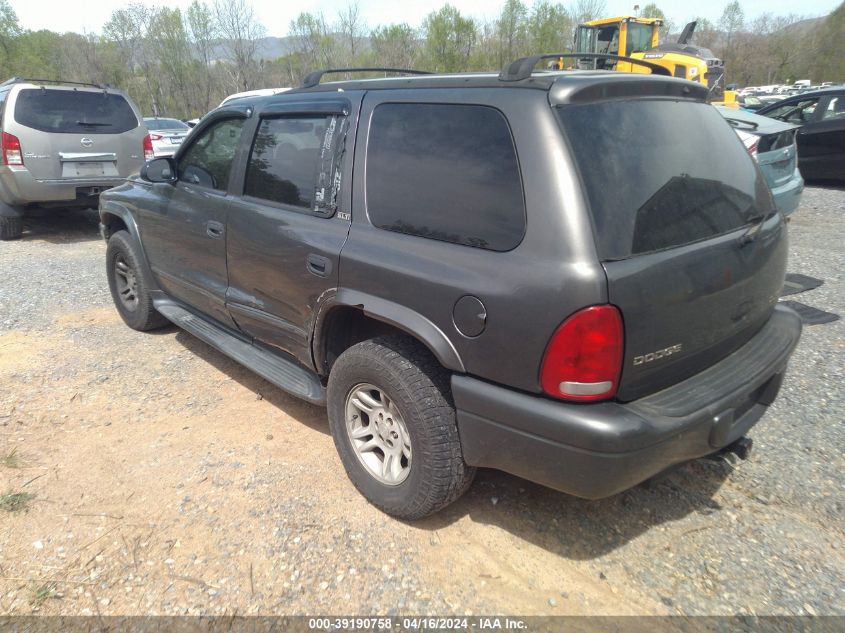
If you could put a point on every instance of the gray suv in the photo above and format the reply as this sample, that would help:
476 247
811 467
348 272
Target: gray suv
569 276
62 145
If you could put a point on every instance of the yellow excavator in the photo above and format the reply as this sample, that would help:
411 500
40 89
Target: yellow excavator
638 39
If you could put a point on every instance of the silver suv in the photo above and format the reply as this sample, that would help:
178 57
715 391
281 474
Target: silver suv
62 145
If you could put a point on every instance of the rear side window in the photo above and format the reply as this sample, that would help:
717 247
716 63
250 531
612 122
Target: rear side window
74 112
661 174
295 161
445 172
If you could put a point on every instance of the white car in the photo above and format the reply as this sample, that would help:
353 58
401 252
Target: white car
166 135
263 92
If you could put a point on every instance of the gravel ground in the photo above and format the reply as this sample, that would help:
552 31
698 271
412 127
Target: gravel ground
169 480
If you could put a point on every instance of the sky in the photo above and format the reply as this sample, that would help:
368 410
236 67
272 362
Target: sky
89 15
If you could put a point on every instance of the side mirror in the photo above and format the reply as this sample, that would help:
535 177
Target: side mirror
159 170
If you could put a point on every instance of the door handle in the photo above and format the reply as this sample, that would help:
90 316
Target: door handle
318 265
214 229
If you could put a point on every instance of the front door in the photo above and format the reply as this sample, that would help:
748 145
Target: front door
185 235
285 232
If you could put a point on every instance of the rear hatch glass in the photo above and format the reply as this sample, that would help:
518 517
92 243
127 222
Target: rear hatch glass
74 111
686 228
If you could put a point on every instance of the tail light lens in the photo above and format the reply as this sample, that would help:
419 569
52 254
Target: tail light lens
11 150
751 142
148 148
155 137
583 360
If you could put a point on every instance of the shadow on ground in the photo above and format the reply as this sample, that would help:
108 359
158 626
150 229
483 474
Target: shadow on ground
61 226
567 526
310 415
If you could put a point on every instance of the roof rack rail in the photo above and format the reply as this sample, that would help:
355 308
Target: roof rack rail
522 68
313 79
18 80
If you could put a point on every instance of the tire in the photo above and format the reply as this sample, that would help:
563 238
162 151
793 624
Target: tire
130 288
11 228
413 394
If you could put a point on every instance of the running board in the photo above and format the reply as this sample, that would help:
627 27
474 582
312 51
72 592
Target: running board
283 373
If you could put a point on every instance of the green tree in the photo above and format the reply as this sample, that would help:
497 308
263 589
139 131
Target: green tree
830 61
651 10
550 28
512 31
394 46
449 39
10 30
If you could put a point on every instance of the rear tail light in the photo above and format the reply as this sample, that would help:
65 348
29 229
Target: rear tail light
148 148
751 142
583 360
11 150
155 137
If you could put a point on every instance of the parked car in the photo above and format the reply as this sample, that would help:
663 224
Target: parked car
821 137
261 92
772 144
166 135
569 276
63 143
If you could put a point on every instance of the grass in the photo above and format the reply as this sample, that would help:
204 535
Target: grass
38 595
15 501
12 459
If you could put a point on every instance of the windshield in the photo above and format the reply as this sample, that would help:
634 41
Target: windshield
661 174
74 111
165 124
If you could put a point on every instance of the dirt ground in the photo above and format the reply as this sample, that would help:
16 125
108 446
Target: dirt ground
147 473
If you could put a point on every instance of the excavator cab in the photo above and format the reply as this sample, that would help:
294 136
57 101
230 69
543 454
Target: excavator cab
617 36
638 38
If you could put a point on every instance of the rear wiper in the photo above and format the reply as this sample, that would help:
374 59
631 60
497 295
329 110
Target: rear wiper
738 122
756 223
92 124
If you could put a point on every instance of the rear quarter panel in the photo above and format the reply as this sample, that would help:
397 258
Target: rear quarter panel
528 291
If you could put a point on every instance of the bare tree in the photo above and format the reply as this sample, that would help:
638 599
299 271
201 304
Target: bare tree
586 10
202 31
352 30
241 31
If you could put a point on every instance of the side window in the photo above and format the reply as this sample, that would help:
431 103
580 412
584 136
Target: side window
445 172
208 161
799 112
835 109
295 161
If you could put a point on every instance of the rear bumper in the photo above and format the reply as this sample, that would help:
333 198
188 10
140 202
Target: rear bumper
18 187
597 450
788 195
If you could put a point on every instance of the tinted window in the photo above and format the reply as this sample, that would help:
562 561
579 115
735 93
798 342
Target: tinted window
71 111
660 174
446 172
835 109
208 160
795 112
294 162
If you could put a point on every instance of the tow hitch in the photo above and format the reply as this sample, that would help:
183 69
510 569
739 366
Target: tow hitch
741 448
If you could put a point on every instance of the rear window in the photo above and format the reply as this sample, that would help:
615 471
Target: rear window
74 111
445 172
165 124
662 174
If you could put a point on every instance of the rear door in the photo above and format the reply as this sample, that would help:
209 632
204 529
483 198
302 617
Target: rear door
290 219
184 229
692 245
822 140
77 133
